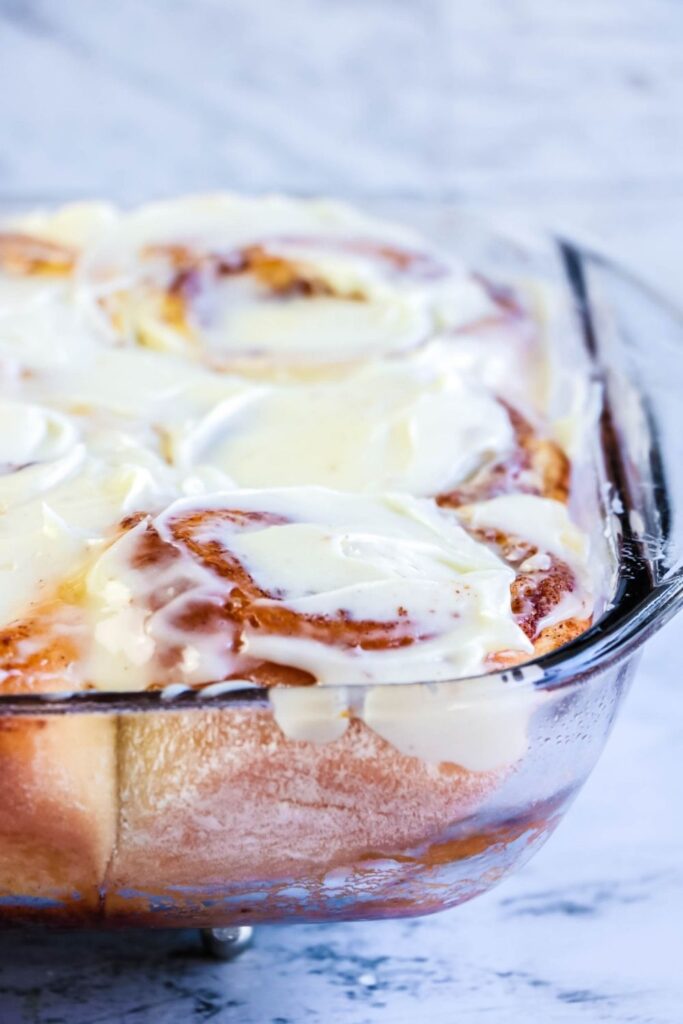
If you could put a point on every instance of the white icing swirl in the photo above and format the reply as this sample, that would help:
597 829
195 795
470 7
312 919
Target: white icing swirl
393 561
39 449
29 434
358 286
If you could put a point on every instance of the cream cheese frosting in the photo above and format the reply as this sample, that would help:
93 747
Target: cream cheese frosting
290 358
355 287
378 428
328 555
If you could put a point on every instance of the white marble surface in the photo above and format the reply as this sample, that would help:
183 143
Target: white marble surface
569 112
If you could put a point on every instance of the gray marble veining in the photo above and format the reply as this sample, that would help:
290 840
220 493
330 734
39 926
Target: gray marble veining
571 113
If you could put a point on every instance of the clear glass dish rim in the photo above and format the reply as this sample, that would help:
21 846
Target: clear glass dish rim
635 614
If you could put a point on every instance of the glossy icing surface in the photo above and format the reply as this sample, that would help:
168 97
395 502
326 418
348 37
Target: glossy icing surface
277 440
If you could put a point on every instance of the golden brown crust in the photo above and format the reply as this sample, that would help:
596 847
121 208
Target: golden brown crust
536 466
26 254
57 808
550 465
552 637
223 794
547 640
57 811
37 653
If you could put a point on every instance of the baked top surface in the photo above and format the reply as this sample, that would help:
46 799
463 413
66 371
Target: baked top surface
274 440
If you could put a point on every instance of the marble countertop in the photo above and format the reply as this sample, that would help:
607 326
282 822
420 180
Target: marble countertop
570 113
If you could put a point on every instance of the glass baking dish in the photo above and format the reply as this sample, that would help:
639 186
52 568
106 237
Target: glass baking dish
196 810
